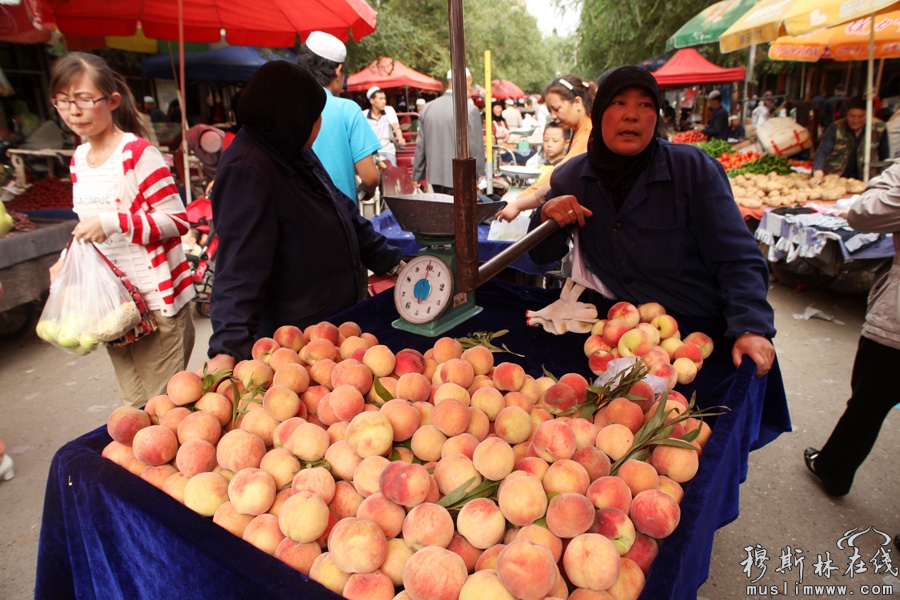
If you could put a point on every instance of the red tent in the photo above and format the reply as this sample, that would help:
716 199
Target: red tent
26 22
688 67
502 89
388 73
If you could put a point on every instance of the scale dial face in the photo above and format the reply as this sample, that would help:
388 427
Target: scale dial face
424 289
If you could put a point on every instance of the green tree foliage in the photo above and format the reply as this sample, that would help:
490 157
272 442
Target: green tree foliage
416 32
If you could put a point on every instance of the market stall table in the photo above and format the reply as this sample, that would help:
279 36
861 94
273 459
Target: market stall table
108 534
26 256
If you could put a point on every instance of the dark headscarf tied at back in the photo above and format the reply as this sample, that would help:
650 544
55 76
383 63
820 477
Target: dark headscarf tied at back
618 172
282 102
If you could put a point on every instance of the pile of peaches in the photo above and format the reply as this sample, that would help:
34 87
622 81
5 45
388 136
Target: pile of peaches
647 332
422 476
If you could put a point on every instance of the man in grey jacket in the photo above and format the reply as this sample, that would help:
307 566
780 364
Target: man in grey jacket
436 142
873 391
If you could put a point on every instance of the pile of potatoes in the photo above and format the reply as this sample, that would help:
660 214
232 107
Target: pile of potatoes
756 191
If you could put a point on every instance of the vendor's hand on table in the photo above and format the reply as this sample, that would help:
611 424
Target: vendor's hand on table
508 213
757 347
55 269
565 210
217 363
817 178
90 230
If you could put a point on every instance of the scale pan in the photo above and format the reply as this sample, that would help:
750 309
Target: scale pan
433 214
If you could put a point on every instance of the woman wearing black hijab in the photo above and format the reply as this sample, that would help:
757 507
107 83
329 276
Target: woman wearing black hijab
291 246
657 221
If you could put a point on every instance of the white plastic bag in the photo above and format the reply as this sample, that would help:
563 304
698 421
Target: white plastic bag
88 304
509 231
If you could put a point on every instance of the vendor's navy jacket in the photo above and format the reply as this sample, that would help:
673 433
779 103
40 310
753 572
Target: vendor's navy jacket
717 128
678 239
286 256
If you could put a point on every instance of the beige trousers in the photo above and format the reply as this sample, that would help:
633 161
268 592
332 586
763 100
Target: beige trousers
143 368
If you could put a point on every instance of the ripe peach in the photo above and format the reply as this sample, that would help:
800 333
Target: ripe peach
464 444
615 525
591 561
484 584
625 311
125 422
205 492
309 442
526 569
385 391
635 342
303 517
254 373
643 551
370 434
388 515
216 404
613 331
585 432
342 459
656 355
157 476
489 400
522 499
409 361
535 465
610 491
260 422
406 484
357 545
479 424
638 476
434 573
446 348
554 440
174 485
457 371
679 464
346 402
531 390
650 310
157 406
312 396
427 524
367 475
320 372
655 513
195 456
685 369
481 359
481 523
324 571
350 345
403 418
368 586
200 425
238 449
297 554
701 340
427 442
666 372
569 514
595 344
488 558
469 553
281 437
513 425
353 373
414 387
450 390
595 462
453 471
509 377
666 325
380 360
705 431
281 465
598 361
625 412
564 476
671 487
615 440
559 398
184 387
317 480
154 445
251 491
231 520
450 417
397 555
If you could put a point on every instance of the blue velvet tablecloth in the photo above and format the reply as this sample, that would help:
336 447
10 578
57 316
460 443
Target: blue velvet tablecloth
108 534
387 225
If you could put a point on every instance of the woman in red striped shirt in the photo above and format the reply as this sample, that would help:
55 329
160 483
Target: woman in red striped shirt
127 204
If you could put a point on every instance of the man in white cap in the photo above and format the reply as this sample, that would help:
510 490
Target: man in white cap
511 114
151 108
717 126
385 124
345 143
436 143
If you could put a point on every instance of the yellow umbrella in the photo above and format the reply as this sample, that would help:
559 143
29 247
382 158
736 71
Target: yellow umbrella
770 19
849 41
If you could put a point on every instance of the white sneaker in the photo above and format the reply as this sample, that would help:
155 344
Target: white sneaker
6 468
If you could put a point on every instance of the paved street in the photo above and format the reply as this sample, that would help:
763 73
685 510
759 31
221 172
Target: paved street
49 398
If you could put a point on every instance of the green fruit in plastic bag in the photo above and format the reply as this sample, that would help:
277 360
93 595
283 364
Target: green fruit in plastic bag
88 341
47 330
68 339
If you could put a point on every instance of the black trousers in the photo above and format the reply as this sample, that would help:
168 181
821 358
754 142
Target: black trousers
873 395
441 189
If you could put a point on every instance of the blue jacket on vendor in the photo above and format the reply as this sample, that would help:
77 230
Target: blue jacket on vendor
286 255
678 239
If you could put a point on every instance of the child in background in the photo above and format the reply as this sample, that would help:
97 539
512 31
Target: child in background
555 146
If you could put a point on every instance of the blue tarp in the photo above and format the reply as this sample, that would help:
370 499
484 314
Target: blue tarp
232 63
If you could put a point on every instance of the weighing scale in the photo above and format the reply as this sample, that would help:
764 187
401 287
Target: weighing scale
425 293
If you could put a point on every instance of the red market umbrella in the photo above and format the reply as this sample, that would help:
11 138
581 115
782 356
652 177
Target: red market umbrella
503 89
688 67
267 23
389 73
26 22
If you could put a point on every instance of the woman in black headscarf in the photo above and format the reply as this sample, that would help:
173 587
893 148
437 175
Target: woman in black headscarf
657 221
291 246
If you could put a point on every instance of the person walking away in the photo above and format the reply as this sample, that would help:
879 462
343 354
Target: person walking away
511 115
569 100
384 123
346 143
872 393
292 247
839 151
436 144
128 205
717 127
